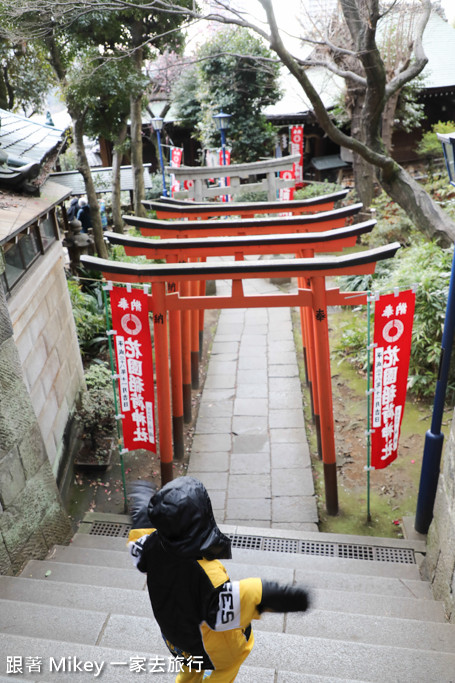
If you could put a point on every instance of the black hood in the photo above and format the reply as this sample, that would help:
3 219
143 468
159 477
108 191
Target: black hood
181 512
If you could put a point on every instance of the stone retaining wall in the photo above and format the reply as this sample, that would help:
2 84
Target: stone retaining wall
440 559
45 336
32 517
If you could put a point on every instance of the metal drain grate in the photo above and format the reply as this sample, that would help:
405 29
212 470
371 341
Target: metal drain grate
110 529
352 551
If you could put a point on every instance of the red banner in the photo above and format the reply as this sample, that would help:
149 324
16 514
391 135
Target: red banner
287 193
227 155
297 148
176 156
392 349
225 182
133 351
176 161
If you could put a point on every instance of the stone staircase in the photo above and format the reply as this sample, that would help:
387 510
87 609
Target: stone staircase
85 609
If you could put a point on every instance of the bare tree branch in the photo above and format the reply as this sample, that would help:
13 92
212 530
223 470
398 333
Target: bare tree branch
421 60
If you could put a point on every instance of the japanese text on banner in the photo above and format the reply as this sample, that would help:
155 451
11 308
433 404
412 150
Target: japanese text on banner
133 351
287 193
392 349
297 148
176 161
225 160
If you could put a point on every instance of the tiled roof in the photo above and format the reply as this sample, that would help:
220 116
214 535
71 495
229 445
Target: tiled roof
102 177
17 210
26 139
439 46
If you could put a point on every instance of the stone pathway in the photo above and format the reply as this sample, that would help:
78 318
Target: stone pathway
250 446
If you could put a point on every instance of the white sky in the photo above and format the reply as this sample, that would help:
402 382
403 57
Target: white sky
449 8
286 12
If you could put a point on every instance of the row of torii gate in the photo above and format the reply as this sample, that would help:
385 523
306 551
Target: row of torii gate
178 292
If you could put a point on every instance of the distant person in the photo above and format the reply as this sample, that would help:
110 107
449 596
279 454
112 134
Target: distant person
73 209
204 617
103 214
83 215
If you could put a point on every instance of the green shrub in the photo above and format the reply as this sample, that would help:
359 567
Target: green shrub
252 196
429 144
317 189
96 414
88 312
393 225
428 266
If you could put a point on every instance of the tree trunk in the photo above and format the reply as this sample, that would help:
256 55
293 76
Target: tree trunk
419 206
364 178
136 123
401 187
388 121
136 155
364 172
84 169
116 187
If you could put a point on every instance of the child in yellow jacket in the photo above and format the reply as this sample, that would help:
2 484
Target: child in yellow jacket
205 618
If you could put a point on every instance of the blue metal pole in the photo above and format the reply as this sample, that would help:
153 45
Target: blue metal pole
223 145
158 136
434 439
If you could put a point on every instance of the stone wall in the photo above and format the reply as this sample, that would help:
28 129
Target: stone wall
32 517
440 559
45 336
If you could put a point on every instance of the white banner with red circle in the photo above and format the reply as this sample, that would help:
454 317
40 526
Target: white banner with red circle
296 145
133 353
176 161
287 193
394 315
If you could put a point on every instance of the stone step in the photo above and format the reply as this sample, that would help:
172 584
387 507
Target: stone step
285 653
292 534
75 595
51 570
404 588
358 661
136 602
116 663
279 559
313 579
123 632
97 626
376 630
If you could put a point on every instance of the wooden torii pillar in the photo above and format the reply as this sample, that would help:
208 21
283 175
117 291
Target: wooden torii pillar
183 250
317 297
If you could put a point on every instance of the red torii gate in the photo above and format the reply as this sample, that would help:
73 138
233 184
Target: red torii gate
262 226
175 250
316 297
171 208
314 222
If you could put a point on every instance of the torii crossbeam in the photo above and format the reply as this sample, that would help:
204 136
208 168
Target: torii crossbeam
316 296
249 226
166 208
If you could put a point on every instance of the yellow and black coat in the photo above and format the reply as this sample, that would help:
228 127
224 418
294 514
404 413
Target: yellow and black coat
200 611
